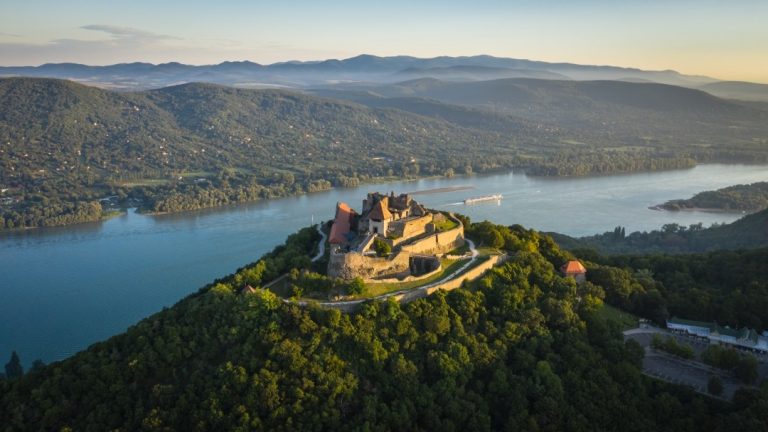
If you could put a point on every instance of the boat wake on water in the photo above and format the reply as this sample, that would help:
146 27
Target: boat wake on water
481 199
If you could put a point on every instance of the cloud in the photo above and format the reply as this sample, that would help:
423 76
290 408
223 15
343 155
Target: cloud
117 44
114 44
126 33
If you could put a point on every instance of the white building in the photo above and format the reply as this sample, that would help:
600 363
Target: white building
744 338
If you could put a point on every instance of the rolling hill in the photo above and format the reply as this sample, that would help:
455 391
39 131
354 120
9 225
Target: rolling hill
749 232
611 113
746 91
67 145
362 68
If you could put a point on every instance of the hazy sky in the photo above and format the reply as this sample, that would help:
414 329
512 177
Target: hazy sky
726 39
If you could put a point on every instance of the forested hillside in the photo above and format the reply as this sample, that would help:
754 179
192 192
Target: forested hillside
730 287
520 349
749 232
610 114
64 147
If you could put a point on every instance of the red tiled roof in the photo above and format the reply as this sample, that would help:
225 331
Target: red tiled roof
380 212
341 224
573 267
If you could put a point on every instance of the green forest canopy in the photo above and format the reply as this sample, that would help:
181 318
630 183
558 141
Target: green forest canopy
519 349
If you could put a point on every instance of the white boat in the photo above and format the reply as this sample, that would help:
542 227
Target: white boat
483 198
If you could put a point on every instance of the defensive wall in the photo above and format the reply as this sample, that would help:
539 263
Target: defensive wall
355 263
418 293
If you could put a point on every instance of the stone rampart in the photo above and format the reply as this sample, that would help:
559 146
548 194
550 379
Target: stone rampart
417 226
417 293
410 228
437 243
352 264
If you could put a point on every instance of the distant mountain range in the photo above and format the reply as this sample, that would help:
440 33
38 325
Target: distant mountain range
738 90
363 68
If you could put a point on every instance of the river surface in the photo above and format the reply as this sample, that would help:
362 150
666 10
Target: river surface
65 288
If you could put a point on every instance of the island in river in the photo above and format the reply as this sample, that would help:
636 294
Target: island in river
746 198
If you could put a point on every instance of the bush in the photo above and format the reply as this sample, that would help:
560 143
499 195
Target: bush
381 247
356 286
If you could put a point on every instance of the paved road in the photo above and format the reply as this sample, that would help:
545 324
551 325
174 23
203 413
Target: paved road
321 246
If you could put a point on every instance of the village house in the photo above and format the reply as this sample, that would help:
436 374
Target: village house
575 270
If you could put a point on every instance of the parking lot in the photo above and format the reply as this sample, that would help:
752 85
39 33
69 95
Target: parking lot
692 373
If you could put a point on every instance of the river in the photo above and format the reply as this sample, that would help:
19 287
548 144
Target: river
68 287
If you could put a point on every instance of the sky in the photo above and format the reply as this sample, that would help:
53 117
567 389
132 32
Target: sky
725 39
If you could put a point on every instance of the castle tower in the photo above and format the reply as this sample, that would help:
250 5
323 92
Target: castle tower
379 218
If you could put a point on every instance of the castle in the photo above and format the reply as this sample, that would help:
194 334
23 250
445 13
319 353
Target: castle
415 235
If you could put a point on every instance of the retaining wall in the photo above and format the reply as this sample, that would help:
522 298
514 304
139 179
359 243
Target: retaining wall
418 293
352 264
437 242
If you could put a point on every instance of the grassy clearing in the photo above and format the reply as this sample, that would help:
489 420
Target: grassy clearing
626 319
460 250
572 142
488 251
445 225
196 174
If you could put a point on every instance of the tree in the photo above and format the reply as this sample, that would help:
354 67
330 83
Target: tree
715 385
356 286
13 368
381 247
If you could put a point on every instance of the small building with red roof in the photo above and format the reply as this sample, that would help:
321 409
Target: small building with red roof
575 270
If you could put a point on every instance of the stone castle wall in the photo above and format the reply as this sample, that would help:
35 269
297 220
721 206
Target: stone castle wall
411 228
414 294
416 226
437 243
352 264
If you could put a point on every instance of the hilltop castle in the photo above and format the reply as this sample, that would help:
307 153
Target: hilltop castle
415 235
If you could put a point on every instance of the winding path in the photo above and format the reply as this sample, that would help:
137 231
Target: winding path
350 303
321 246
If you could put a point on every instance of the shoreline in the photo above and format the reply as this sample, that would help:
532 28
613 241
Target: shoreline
661 207
375 180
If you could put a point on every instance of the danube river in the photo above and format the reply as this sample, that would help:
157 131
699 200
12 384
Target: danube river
66 288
